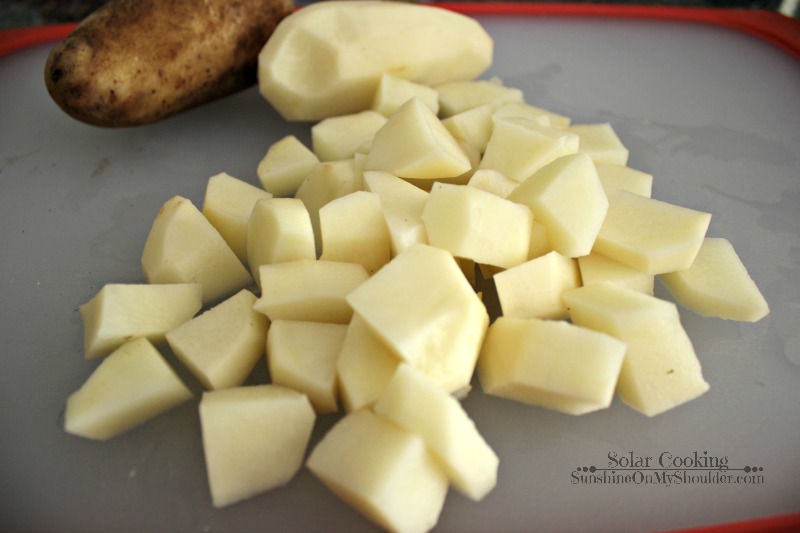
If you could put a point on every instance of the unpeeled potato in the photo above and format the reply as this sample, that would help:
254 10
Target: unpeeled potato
135 62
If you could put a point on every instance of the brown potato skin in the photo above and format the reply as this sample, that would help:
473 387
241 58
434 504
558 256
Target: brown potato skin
135 62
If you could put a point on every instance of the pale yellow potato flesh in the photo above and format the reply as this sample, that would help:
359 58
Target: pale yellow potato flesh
394 91
596 268
402 204
340 137
285 165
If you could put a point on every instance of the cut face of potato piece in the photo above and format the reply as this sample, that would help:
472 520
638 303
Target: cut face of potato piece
402 204
660 370
336 138
650 235
381 470
339 76
551 364
566 196
533 289
421 406
459 96
415 144
285 165
364 367
474 224
394 91
309 290
540 242
354 230
303 355
221 346
473 126
254 439
424 309
130 386
120 312
519 147
596 268
227 205
279 230
532 113
718 284
184 247
601 143
492 181
621 177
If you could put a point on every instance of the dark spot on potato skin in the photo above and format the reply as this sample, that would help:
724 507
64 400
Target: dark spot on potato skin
139 61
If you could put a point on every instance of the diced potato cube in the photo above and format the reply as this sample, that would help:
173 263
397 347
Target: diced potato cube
310 290
129 387
492 181
421 406
473 126
533 113
364 367
227 205
254 439
660 370
381 470
519 147
533 289
717 284
459 96
120 312
221 346
184 247
336 138
285 165
441 337
303 355
550 364
474 224
393 92
540 242
596 268
414 144
402 205
354 230
623 177
650 235
566 196
601 143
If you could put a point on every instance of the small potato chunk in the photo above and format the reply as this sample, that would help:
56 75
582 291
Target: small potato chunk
718 284
533 113
533 289
519 147
184 247
285 165
310 290
227 205
364 367
566 196
120 312
221 346
459 96
402 205
130 386
354 230
279 230
336 138
660 370
492 181
338 76
650 235
622 177
302 356
421 406
394 91
415 144
596 268
381 470
601 143
473 126
440 338
474 224
550 364
254 439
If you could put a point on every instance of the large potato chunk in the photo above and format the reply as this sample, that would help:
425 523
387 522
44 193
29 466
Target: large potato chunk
139 61
327 59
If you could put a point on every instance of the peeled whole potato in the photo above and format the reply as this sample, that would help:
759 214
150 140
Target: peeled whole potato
327 59
135 62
